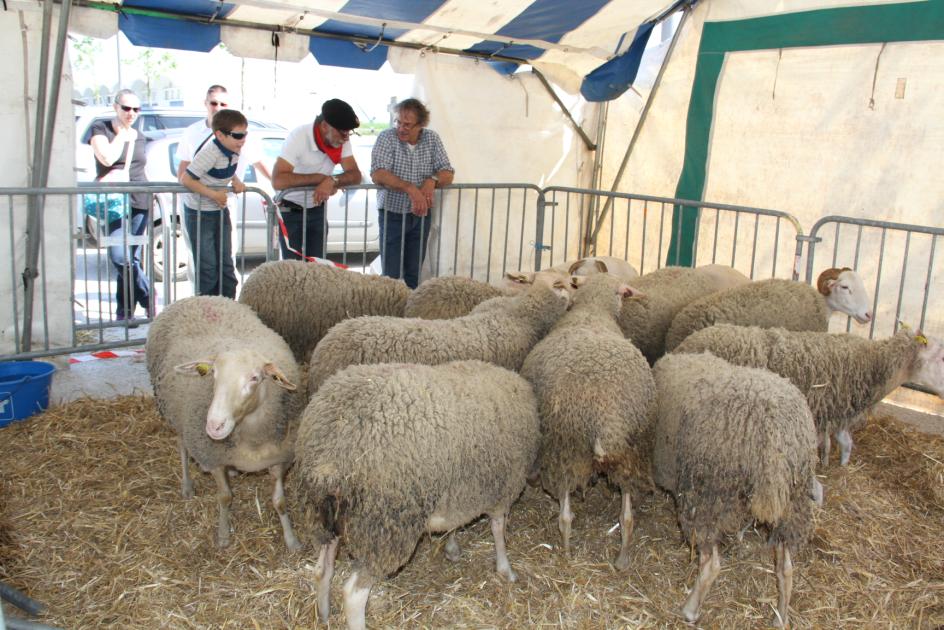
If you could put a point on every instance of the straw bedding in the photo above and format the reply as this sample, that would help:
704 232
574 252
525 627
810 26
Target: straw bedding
92 524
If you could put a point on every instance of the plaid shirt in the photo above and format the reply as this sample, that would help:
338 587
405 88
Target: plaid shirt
413 165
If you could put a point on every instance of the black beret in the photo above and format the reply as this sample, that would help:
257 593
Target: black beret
339 115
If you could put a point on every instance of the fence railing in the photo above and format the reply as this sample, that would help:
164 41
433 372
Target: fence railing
477 230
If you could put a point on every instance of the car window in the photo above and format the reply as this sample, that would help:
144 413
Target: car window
176 122
174 162
272 148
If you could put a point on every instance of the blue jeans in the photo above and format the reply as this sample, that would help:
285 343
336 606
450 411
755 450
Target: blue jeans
210 236
133 284
403 239
307 232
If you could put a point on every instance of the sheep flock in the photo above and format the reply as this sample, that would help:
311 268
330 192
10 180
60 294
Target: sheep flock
385 416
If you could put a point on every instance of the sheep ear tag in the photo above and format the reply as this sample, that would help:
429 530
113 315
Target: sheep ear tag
198 368
272 370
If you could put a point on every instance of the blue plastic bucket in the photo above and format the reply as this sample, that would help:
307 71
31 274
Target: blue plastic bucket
24 389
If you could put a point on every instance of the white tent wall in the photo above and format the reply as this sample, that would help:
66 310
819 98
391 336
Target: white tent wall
21 45
496 129
850 130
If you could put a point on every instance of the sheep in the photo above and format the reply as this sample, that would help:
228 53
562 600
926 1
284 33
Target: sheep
776 303
387 452
500 331
663 293
448 297
301 300
734 444
595 392
580 267
842 375
245 415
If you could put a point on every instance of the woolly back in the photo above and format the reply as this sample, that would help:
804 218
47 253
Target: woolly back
767 303
743 432
411 431
302 301
446 297
595 303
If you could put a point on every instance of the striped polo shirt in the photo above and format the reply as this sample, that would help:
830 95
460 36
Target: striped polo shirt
213 165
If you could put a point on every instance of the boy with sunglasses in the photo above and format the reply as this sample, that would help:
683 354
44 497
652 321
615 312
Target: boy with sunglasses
209 228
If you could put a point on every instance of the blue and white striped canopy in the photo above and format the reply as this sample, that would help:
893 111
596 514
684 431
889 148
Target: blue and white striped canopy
564 36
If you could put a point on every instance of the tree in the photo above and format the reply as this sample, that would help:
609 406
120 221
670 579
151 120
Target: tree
152 65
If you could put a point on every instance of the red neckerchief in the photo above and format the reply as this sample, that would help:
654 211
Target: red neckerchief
333 153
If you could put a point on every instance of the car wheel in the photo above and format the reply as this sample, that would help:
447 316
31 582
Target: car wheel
178 254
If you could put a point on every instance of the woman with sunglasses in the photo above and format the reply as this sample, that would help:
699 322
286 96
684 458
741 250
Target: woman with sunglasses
120 155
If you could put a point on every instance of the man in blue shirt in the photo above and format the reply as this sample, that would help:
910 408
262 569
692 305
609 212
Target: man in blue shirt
410 162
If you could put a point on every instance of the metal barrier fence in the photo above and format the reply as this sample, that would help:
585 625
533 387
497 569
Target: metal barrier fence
900 259
638 228
478 231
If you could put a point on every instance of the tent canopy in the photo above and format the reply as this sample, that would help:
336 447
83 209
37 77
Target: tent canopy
566 40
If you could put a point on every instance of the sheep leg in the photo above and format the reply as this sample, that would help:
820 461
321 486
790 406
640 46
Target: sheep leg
565 520
278 502
502 566
626 532
816 492
824 446
356 592
224 496
453 551
784 585
844 439
709 567
186 485
324 571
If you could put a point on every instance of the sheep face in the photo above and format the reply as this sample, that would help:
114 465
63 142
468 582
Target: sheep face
240 386
929 366
845 292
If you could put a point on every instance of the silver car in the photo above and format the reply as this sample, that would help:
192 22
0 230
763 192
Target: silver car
351 214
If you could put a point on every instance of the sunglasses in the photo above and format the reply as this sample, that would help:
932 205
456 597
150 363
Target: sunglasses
128 108
235 135
218 104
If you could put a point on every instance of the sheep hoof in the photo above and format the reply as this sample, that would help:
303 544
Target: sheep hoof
187 492
294 544
622 562
453 551
509 575
691 616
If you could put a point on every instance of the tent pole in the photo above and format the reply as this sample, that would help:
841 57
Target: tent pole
642 119
583 135
32 201
589 244
42 150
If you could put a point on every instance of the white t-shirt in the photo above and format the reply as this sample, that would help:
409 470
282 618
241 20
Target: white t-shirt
195 134
306 158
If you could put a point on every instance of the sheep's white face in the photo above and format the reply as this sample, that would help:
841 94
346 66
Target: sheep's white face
929 370
238 376
847 295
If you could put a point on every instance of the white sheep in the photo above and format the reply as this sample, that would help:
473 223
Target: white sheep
500 331
595 393
388 452
841 375
226 384
581 267
301 301
733 445
448 297
646 317
777 303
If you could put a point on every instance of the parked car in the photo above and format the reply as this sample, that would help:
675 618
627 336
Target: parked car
352 214
151 122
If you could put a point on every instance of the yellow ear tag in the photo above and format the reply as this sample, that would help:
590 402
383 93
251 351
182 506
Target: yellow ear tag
921 339
203 368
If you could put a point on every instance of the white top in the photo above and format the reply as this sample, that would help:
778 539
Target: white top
306 158
195 134
213 165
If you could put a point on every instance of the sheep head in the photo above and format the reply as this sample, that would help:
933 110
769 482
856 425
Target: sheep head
845 292
240 380
928 368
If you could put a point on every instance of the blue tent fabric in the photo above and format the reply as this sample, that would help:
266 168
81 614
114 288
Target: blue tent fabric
615 76
143 30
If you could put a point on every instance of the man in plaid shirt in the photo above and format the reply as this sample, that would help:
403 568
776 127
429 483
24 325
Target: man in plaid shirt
410 162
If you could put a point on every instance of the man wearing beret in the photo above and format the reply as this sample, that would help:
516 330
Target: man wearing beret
308 159
410 162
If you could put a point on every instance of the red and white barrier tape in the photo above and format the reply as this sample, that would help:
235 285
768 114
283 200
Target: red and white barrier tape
288 245
106 354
